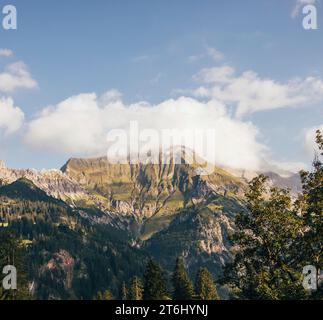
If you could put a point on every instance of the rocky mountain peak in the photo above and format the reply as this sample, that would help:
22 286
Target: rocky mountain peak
54 182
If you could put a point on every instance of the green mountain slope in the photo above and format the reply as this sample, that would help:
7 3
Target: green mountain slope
151 193
69 254
129 212
23 189
198 234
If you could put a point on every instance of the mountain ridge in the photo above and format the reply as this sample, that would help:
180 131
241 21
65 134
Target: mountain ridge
131 210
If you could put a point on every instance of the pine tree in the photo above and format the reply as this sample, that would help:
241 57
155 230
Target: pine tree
124 292
12 253
99 296
183 287
154 282
136 289
205 286
106 295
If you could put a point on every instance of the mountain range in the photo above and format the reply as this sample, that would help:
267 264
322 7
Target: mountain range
92 225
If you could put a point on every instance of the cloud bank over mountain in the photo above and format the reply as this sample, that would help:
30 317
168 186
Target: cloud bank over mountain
79 125
235 141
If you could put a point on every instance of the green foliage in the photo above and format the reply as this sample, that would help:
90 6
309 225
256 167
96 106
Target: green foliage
277 238
311 207
24 189
124 291
136 289
68 256
105 295
183 287
154 282
205 286
185 234
12 253
264 267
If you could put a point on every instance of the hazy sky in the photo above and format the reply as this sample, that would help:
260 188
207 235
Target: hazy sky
76 69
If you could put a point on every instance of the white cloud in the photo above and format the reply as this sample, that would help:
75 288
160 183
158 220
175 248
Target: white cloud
215 54
284 168
299 5
11 117
251 93
110 96
215 75
16 76
79 126
5 52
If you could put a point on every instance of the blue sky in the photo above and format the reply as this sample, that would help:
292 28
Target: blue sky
153 51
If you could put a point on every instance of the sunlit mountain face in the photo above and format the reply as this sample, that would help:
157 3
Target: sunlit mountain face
153 151
92 212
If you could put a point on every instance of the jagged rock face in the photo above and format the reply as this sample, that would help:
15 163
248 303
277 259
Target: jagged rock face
200 236
151 195
167 209
292 182
284 180
129 194
64 261
140 197
145 190
53 182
